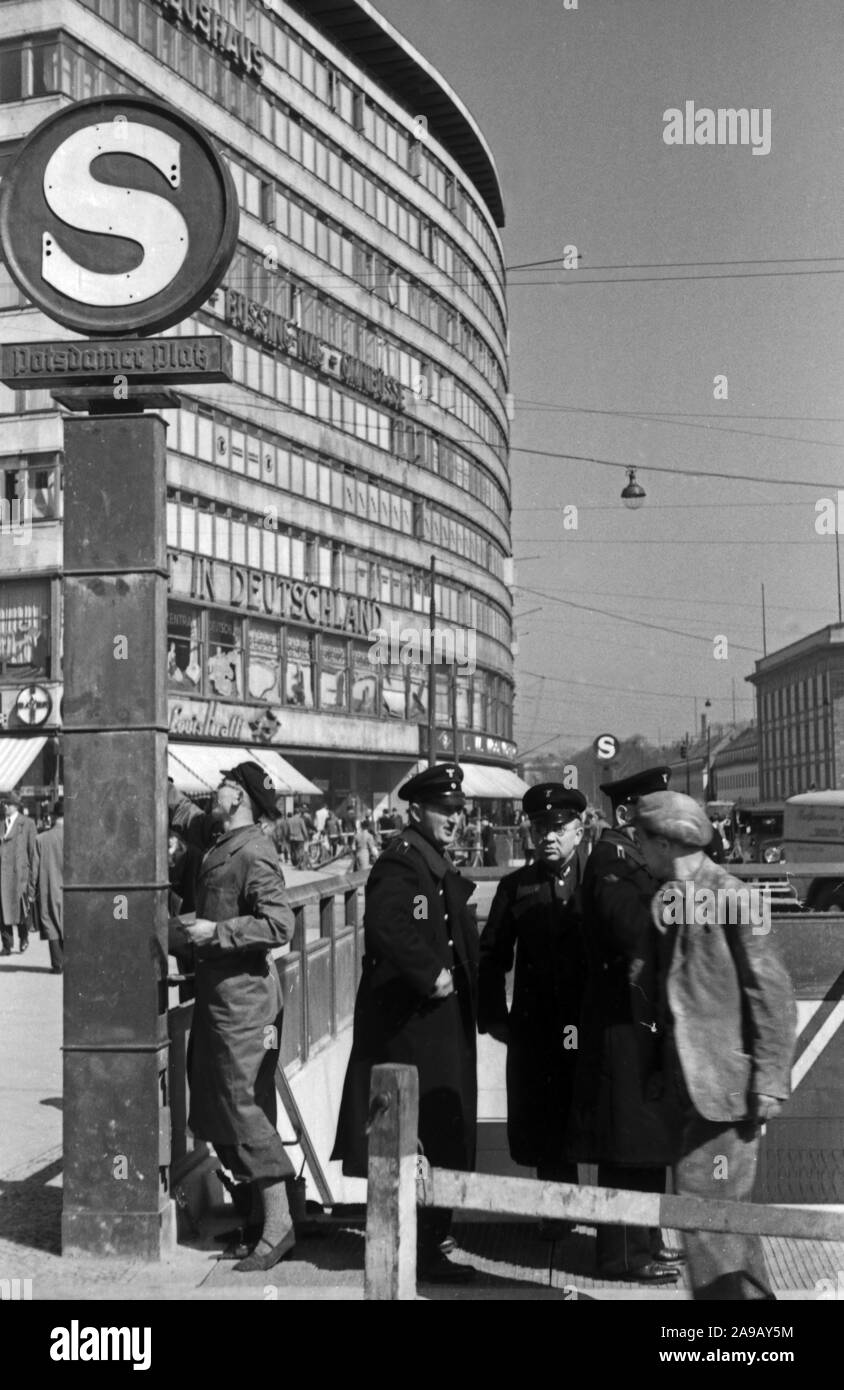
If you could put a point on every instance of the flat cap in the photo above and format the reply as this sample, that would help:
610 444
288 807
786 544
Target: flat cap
442 782
257 784
674 815
12 797
652 779
550 800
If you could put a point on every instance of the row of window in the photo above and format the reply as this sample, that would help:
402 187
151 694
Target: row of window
333 167
216 654
290 298
283 210
199 527
287 51
311 394
786 700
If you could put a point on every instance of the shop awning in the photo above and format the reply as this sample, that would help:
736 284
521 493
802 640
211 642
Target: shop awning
196 768
16 757
491 783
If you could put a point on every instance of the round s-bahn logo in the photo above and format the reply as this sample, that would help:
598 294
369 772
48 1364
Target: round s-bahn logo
118 216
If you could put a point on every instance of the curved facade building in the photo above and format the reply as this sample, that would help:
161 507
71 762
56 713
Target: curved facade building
365 431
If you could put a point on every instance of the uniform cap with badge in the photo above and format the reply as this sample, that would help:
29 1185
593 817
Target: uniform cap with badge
626 789
442 783
552 804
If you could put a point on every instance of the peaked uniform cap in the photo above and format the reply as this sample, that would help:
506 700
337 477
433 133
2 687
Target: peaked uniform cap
442 782
652 779
549 799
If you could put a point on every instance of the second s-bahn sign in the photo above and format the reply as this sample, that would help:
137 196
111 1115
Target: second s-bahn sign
118 216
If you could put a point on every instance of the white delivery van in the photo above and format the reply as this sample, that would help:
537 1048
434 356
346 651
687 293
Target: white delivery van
813 848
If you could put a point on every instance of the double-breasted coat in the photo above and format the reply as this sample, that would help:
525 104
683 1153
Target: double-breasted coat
616 1119
535 916
17 871
416 924
236 1031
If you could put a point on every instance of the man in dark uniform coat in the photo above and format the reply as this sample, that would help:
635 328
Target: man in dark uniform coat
535 915
629 1137
242 913
417 998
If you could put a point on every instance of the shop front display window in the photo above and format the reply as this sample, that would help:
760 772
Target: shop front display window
334 676
184 669
364 682
299 670
264 670
394 692
25 628
225 656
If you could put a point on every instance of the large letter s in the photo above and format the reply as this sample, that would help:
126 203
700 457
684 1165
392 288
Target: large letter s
81 201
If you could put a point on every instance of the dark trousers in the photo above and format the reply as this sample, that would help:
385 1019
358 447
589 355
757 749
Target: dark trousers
719 1161
7 935
620 1249
56 954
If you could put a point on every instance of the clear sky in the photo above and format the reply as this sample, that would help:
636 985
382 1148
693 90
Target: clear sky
572 104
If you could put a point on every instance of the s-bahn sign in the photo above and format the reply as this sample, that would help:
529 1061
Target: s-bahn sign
118 216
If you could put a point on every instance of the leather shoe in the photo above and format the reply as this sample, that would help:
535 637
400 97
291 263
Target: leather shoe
436 1268
255 1262
6 951
24 946
669 1255
239 1243
650 1273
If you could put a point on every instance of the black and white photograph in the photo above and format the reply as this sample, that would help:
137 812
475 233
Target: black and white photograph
421 670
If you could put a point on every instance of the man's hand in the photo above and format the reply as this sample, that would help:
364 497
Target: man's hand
501 1033
762 1107
200 932
443 986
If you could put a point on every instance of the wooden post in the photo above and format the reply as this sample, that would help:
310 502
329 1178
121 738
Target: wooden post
391 1193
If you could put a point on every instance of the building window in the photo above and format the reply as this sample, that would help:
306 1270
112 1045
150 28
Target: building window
333 675
264 672
184 668
364 682
394 692
225 656
299 670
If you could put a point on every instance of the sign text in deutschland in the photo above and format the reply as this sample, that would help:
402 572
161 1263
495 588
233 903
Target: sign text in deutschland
141 360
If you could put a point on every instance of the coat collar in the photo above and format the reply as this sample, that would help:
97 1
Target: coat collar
233 840
434 861
629 849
